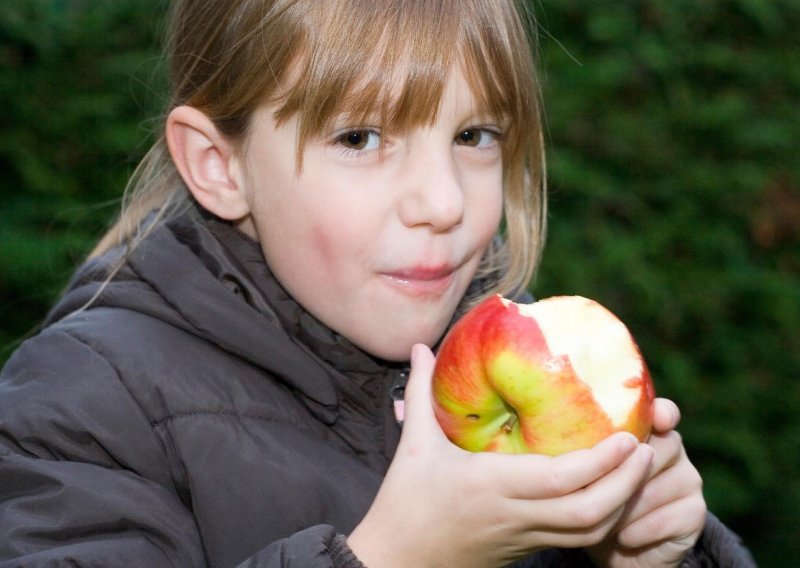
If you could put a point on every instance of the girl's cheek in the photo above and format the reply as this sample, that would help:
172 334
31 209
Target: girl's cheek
323 244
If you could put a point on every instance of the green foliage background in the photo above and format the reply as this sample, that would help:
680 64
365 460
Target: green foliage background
673 130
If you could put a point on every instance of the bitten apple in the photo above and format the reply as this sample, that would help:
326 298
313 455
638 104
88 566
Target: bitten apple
557 375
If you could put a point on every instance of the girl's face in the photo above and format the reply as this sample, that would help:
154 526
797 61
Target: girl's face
378 235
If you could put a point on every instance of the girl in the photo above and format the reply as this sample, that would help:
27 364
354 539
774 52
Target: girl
216 386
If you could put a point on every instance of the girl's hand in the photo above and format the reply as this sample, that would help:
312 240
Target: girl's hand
666 516
443 506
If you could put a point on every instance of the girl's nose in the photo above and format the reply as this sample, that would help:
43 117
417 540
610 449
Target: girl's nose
433 195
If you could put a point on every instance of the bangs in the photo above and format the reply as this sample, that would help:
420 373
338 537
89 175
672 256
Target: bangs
386 64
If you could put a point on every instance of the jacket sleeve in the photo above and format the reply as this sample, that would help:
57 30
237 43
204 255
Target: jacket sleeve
720 547
84 479
316 547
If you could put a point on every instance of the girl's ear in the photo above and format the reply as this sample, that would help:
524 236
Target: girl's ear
207 162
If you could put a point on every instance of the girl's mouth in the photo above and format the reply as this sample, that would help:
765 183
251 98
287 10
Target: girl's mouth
421 281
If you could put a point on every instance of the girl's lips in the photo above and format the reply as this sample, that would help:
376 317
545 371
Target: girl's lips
422 281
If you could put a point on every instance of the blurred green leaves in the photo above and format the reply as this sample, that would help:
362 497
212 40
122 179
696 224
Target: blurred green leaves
77 81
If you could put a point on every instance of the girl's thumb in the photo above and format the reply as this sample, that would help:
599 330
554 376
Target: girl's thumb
416 407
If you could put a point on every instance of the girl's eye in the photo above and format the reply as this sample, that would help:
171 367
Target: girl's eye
476 137
360 140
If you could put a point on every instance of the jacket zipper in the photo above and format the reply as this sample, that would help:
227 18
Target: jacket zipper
397 394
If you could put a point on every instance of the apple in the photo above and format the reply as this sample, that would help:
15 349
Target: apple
550 377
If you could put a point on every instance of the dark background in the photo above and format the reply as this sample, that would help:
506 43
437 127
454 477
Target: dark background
673 131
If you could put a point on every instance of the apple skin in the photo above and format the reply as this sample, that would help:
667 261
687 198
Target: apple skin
550 377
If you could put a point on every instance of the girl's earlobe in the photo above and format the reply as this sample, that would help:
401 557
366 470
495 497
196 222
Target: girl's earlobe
208 163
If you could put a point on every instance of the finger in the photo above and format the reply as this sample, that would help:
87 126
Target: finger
541 477
671 485
587 515
419 418
666 415
609 494
681 520
532 476
668 449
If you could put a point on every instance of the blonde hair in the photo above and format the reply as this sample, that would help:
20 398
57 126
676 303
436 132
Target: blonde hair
228 57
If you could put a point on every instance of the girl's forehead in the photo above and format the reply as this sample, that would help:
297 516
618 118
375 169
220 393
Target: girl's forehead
392 63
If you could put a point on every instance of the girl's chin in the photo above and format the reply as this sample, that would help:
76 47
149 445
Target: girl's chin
394 354
396 347
398 321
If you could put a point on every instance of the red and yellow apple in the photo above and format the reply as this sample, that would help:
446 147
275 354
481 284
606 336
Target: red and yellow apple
557 375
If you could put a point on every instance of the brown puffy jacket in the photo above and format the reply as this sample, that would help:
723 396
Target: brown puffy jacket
194 415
